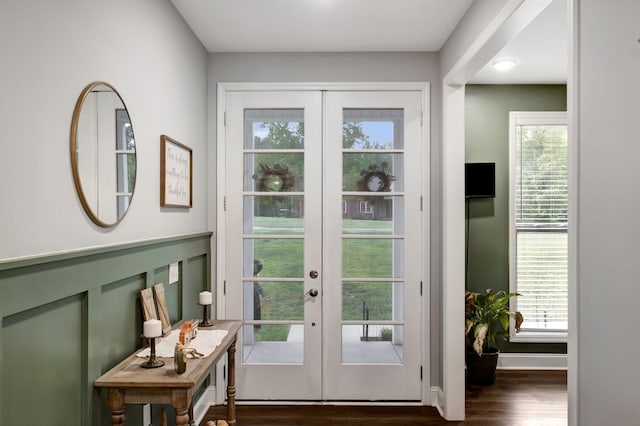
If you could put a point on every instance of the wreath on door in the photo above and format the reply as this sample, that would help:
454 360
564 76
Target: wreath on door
274 179
377 178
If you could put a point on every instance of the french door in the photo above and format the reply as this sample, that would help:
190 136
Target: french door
322 243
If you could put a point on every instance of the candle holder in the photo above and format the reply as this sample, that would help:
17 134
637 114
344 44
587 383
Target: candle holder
153 361
206 322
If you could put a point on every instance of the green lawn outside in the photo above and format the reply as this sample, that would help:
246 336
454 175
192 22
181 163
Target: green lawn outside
286 225
362 258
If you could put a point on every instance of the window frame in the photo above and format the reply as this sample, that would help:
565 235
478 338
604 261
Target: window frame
365 207
531 118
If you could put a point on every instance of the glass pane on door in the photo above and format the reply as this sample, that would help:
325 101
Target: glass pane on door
274 173
273 215
372 236
372 172
373 128
273 236
372 344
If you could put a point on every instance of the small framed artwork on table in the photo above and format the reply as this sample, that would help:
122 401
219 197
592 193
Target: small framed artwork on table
176 166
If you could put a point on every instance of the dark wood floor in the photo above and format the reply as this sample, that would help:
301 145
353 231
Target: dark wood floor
517 398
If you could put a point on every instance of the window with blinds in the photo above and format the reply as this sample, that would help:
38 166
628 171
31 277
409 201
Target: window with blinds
538 221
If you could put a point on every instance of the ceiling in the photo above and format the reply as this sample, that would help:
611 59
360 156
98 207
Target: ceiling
371 26
541 51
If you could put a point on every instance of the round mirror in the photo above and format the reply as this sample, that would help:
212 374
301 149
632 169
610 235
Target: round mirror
103 154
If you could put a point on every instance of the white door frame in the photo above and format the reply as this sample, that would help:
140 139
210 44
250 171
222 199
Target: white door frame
506 25
222 88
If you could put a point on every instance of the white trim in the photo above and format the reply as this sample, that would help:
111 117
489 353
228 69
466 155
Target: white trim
522 361
319 86
453 379
437 399
331 403
220 225
537 118
573 80
146 414
201 407
536 336
82 250
527 118
427 331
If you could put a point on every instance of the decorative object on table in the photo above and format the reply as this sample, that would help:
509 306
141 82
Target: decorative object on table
176 167
163 310
487 321
208 339
192 353
188 332
276 179
148 304
180 359
205 298
152 328
217 423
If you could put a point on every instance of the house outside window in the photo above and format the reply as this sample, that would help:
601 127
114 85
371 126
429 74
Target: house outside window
538 206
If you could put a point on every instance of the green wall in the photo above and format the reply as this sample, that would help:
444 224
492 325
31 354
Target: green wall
487 110
66 319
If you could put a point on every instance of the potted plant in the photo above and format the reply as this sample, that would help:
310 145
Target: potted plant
487 321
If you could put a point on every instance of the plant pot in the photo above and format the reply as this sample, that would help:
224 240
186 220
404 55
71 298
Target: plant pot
481 369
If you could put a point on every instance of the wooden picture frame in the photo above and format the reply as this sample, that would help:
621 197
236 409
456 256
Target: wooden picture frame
176 177
163 310
148 304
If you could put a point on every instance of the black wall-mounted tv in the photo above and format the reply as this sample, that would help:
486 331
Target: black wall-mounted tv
480 180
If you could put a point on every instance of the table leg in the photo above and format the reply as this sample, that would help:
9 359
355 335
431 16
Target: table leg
231 385
180 401
116 404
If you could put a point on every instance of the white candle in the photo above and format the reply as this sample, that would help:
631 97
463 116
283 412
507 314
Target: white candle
205 298
152 328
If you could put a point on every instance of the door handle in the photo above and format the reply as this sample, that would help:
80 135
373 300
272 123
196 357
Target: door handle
313 292
313 274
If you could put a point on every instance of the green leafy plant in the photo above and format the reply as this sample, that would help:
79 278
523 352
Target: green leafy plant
386 334
487 319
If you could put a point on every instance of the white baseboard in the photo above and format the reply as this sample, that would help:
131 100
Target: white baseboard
518 361
201 407
437 399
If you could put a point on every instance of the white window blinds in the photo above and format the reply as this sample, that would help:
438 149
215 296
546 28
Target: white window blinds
541 176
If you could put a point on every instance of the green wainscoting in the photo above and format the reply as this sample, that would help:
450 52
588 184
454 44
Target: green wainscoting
67 318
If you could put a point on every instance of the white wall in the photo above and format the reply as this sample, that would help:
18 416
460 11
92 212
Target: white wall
320 67
608 345
50 51
347 67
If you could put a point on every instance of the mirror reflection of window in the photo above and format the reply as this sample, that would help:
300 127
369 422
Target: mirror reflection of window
100 117
125 161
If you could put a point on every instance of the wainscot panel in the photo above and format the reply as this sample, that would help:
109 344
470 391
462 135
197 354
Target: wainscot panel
44 345
67 318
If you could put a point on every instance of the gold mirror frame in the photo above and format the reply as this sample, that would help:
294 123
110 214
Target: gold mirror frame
93 215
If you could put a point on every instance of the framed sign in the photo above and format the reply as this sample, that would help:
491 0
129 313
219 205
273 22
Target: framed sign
176 166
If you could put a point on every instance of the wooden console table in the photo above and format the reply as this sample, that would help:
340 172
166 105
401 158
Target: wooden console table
129 383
